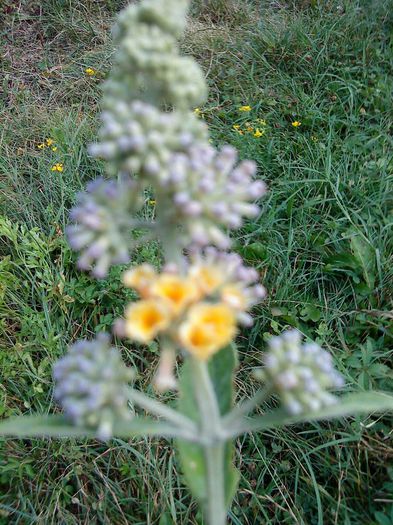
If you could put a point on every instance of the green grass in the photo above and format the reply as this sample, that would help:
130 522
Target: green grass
323 244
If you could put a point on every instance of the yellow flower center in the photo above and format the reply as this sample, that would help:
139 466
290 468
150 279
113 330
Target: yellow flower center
208 328
178 292
145 319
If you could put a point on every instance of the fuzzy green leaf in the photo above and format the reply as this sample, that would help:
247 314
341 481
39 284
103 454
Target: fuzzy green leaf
58 426
348 405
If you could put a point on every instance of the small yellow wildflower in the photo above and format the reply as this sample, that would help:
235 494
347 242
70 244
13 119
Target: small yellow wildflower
261 121
54 148
140 278
197 111
58 167
250 129
208 328
145 319
236 127
49 142
41 146
90 72
152 202
258 133
296 123
176 291
245 108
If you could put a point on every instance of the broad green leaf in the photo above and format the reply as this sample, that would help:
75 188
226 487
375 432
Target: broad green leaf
365 255
192 458
348 405
58 426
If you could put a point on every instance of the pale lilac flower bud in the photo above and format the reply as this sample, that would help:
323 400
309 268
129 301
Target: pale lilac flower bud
300 373
91 385
102 229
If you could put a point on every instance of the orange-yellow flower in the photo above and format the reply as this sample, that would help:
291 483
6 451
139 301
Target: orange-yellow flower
178 292
140 278
145 319
207 278
207 329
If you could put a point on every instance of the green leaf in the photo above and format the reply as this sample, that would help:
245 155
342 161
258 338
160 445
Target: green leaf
348 405
365 255
58 426
192 457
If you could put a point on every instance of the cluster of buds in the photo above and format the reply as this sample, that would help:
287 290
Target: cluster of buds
139 138
91 385
148 63
197 310
300 373
102 224
211 191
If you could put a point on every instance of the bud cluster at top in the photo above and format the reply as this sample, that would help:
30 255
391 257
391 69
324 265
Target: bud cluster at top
91 385
198 309
301 374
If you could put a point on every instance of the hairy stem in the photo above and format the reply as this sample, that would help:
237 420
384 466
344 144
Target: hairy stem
246 407
214 447
159 409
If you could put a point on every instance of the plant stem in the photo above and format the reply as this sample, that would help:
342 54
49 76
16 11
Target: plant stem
216 508
214 445
242 409
159 409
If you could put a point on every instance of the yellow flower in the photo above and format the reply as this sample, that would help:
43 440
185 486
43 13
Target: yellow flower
250 129
145 319
49 142
58 167
258 133
236 127
245 108
54 148
140 278
152 202
234 297
261 121
41 146
178 292
90 71
296 123
208 328
207 278
197 111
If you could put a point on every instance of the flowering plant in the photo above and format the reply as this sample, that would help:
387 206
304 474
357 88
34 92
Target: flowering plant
151 139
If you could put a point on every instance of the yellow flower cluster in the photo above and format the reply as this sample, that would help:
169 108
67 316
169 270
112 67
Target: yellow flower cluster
58 167
90 72
256 128
48 143
197 311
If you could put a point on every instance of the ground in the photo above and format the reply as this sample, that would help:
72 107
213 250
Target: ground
318 77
